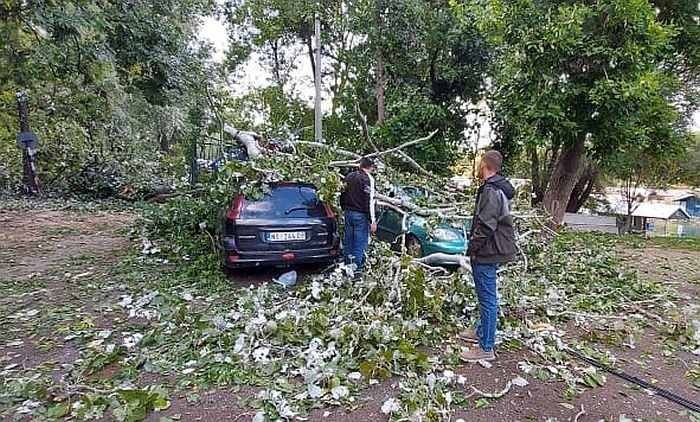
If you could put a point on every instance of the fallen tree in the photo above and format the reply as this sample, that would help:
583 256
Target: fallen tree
250 140
444 203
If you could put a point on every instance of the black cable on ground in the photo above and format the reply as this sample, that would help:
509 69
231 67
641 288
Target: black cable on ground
640 382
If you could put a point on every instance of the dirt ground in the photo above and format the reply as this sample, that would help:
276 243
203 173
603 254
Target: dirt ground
50 259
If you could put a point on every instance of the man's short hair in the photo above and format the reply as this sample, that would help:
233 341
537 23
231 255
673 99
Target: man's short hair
366 163
493 160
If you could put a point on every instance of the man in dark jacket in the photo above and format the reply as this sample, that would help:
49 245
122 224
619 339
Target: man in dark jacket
491 242
357 202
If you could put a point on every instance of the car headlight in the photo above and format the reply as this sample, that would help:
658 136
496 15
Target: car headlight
445 234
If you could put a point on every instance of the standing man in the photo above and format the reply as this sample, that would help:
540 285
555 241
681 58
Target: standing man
357 202
491 242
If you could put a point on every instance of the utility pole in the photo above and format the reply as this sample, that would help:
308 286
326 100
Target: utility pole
317 82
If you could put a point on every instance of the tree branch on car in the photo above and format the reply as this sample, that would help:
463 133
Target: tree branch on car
386 152
248 139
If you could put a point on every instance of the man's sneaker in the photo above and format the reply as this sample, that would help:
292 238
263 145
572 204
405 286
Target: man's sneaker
469 336
476 354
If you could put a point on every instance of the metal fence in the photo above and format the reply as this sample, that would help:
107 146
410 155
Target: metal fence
654 227
676 228
208 154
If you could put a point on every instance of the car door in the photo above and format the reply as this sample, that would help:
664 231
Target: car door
390 224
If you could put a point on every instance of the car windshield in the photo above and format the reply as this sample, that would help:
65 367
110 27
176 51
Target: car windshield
286 201
410 193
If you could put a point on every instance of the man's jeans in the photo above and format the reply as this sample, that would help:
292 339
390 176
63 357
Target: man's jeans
485 283
356 238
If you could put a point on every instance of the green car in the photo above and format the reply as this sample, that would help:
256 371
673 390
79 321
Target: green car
445 237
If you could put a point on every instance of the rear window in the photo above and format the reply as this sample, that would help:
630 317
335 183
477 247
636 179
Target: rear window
288 201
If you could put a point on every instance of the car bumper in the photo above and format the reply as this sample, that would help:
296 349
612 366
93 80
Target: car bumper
236 258
450 248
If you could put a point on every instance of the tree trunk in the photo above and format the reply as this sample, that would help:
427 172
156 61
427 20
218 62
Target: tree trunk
379 65
276 72
163 142
23 109
536 178
248 139
310 51
30 181
583 188
379 70
565 174
541 167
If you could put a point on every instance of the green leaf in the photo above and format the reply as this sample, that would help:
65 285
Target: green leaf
367 368
482 403
58 411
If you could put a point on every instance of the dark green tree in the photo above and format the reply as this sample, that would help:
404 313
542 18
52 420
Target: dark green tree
104 79
578 79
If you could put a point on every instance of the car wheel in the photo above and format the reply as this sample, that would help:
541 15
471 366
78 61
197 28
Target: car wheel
413 246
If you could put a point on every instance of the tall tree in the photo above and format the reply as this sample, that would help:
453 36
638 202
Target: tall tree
410 66
98 74
583 79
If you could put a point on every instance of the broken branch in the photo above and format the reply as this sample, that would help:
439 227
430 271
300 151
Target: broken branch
362 120
496 395
460 260
248 139
413 163
402 146
331 148
385 152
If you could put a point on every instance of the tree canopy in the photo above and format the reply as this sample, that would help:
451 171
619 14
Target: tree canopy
571 85
583 78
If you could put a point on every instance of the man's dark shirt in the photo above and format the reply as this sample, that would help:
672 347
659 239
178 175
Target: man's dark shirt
356 196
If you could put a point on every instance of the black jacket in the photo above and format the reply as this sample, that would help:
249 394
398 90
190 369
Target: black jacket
492 237
356 196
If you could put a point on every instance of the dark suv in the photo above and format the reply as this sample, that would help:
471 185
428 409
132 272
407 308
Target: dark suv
289 225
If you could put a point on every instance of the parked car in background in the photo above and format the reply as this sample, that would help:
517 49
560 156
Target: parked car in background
288 225
395 227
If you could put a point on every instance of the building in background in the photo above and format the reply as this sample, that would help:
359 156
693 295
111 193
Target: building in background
690 203
656 219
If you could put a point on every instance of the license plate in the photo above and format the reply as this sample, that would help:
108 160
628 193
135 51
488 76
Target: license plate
284 236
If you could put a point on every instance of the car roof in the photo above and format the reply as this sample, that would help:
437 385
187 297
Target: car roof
292 184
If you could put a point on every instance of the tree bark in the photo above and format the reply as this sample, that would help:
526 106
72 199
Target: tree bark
379 70
563 179
583 188
23 109
276 72
541 167
30 180
310 51
248 139
379 66
536 177
164 142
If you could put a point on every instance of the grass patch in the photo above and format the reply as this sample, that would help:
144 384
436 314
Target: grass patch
684 243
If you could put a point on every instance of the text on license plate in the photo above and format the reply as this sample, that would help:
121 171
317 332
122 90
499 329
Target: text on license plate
284 236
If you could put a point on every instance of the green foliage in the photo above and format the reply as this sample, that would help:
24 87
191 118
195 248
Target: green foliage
693 376
585 69
690 162
433 64
600 74
134 405
109 84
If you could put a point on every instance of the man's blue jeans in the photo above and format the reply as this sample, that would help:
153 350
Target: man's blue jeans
356 237
485 283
